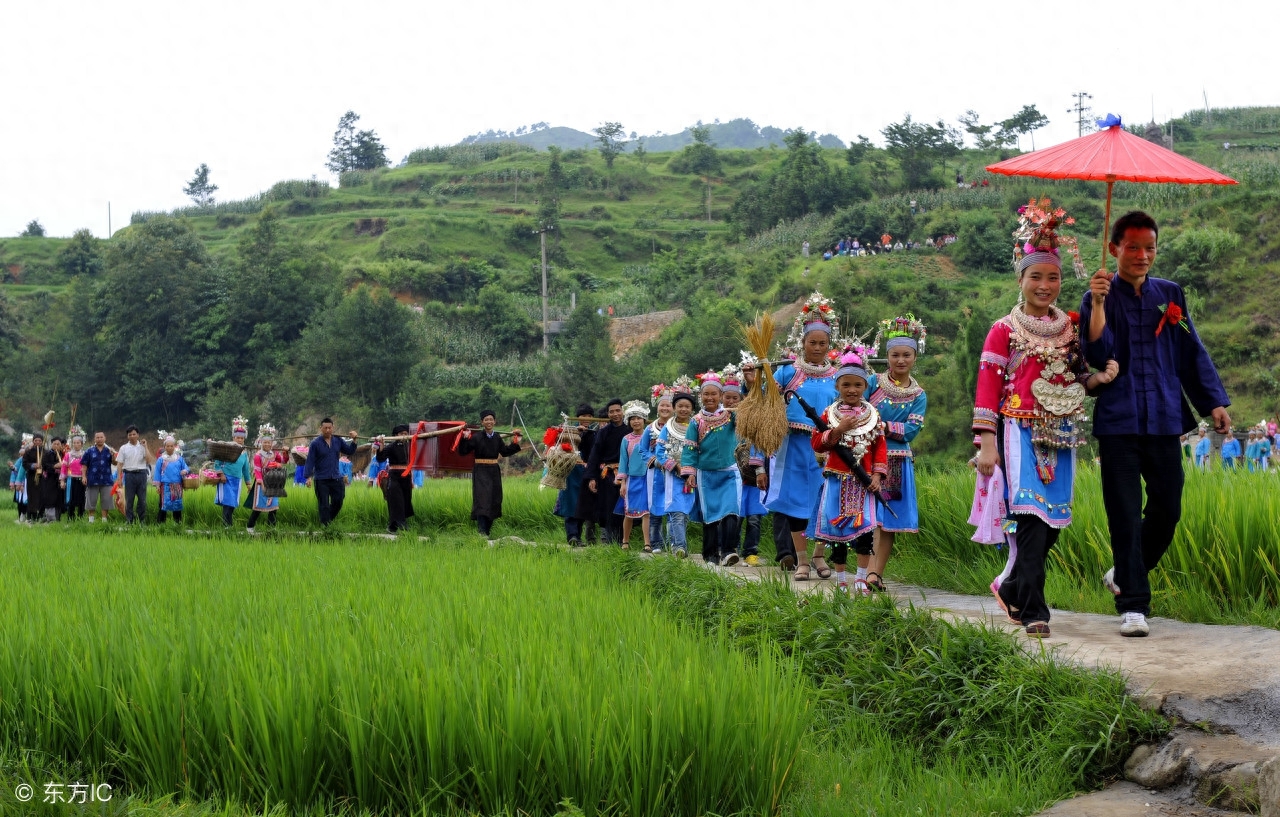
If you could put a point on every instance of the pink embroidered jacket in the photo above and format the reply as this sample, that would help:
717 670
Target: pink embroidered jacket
1005 375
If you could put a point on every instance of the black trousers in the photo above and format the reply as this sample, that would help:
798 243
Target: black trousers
271 518
720 538
783 525
751 542
1023 591
398 492
135 496
1140 536
75 508
483 525
329 496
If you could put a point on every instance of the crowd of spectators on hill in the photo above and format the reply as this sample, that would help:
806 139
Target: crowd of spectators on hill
850 246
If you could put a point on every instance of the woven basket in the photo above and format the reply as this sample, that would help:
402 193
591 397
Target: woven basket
299 457
190 483
273 482
224 451
360 460
560 464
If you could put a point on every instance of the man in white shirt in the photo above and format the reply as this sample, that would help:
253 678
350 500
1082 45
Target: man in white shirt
134 459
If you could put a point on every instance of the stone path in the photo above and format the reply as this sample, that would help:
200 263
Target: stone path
1219 684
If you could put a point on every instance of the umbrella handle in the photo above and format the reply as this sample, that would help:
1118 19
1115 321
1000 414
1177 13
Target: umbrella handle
1106 224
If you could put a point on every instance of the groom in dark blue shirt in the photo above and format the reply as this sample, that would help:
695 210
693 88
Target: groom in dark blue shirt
1142 323
322 466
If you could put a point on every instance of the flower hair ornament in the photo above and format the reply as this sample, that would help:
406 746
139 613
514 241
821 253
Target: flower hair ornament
240 426
75 431
266 432
904 330
731 378
1037 241
660 392
816 314
708 380
682 385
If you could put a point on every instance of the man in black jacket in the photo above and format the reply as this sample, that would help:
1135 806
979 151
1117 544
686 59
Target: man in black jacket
602 468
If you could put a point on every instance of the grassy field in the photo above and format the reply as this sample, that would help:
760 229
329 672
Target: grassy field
382 675
242 677
1221 568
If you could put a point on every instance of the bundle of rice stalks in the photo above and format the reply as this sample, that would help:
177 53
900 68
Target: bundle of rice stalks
762 416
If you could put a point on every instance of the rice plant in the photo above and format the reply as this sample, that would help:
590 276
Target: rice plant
1222 566
317 674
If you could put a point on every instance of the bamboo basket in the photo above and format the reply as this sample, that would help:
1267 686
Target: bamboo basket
224 451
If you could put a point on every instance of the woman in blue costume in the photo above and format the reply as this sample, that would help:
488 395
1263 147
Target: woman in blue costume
655 481
795 478
681 499
901 403
709 466
633 466
234 474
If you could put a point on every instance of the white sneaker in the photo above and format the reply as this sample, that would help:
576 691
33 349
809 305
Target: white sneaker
729 560
1134 625
1109 579
250 531
92 520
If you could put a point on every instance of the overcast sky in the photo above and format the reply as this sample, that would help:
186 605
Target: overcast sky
121 101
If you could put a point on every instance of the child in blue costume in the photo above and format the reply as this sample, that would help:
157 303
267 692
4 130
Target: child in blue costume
681 498
573 434
795 478
1230 451
749 461
655 481
634 457
901 403
709 466
234 474
1204 447
169 472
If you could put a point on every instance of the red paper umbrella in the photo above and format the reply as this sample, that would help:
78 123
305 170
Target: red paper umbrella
1111 155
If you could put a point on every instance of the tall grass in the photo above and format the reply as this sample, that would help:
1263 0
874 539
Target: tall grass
326 674
911 704
1222 566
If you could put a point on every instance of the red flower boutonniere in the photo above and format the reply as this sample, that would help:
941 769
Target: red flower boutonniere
1075 317
1172 316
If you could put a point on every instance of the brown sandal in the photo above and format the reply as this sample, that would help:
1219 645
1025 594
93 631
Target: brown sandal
801 577
824 570
876 584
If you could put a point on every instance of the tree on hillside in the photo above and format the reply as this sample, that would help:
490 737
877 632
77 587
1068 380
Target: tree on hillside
701 157
857 151
359 349
918 146
803 183
199 189
162 304
554 182
982 134
611 144
34 230
355 150
581 359
1026 121
80 255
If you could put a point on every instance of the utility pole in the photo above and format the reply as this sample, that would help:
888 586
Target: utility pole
1081 110
546 322
108 220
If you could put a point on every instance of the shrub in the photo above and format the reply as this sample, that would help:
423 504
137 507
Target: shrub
983 242
1194 254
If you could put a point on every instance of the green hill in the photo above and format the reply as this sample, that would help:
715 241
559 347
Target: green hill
736 133
300 301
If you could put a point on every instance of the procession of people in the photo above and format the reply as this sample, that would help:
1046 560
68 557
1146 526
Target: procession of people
838 476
